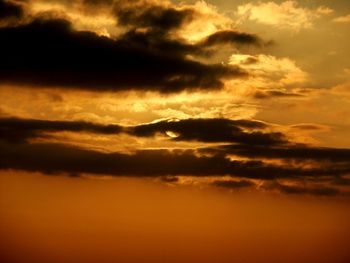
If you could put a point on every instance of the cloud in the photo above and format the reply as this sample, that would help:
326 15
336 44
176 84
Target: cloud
267 71
20 130
151 15
307 126
58 158
309 190
164 47
211 130
203 130
246 138
297 152
252 157
286 15
97 2
342 19
10 9
156 41
269 76
275 93
341 181
107 57
231 36
190 22
56 55
230 184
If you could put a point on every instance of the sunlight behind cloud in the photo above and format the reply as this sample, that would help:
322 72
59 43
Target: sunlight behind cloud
342 19
268 71
288 14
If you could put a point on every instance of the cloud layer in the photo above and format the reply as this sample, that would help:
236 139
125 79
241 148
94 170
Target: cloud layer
297 162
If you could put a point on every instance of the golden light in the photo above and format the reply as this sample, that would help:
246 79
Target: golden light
172 134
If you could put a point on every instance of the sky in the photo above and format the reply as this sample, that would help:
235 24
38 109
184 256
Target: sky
174 131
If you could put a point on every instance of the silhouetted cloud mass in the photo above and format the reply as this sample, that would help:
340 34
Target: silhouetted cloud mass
301 152
18 152
233 184
44 51
20 130
50 53
205 130
9 9
59 158
296 189
212 130
231 37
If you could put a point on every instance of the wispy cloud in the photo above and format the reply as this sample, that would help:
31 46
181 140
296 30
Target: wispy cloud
342 19
288 14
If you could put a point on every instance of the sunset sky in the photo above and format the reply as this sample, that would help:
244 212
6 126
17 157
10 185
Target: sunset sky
174 131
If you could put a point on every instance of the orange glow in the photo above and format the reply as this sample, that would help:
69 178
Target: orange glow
60 219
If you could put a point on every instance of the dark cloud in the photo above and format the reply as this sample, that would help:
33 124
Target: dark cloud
233 184
205 130
161 20
242 135
250 60
154 26
98 2
156 42
18 152
231 37
50 53
10 9
298 152
150 55
307 126
152 16
310 190
340 180
275 93
20 130
169 179
59 158
212 130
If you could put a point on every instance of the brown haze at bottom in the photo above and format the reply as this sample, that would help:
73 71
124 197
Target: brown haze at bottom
54 219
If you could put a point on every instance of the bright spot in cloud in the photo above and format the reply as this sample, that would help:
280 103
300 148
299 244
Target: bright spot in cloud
172 134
